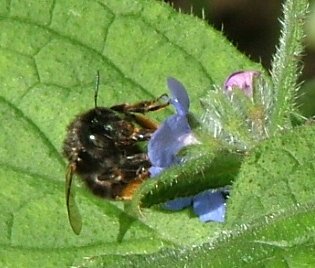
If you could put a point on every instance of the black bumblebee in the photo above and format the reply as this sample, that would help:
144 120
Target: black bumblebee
102 146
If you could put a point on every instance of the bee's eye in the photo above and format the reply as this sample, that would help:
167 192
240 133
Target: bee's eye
92 137
94 121
108 128
96 141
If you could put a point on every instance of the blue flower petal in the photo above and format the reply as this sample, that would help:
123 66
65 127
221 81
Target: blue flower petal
166 141
180 98
178 204
172 135
154 171
169 138
209 206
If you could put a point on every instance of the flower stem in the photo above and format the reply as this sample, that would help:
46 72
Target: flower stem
286 66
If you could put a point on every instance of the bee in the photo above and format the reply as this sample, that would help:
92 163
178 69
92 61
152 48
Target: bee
103 148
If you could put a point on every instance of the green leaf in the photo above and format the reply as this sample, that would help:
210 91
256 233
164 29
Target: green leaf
279 240
50 52
276 179
211 167
277 174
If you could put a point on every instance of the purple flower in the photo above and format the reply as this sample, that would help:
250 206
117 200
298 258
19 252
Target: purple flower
242 80
208 205
174 134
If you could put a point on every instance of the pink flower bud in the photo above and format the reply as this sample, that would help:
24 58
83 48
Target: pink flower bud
242 80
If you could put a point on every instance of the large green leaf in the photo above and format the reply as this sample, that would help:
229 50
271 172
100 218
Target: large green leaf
282 239
50 52
278 173
271 216
210 169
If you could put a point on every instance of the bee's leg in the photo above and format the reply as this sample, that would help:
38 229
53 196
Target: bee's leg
143 134
138 160
132 186
145 122
143 106
139 134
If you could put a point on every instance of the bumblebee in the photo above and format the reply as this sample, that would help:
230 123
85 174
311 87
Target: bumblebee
103 148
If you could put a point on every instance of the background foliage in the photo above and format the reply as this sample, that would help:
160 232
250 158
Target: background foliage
50 52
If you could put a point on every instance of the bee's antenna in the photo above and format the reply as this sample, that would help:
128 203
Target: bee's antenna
97 84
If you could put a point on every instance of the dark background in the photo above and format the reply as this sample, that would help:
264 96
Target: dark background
253 27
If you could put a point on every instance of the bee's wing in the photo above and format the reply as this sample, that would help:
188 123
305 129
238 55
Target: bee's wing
73 210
